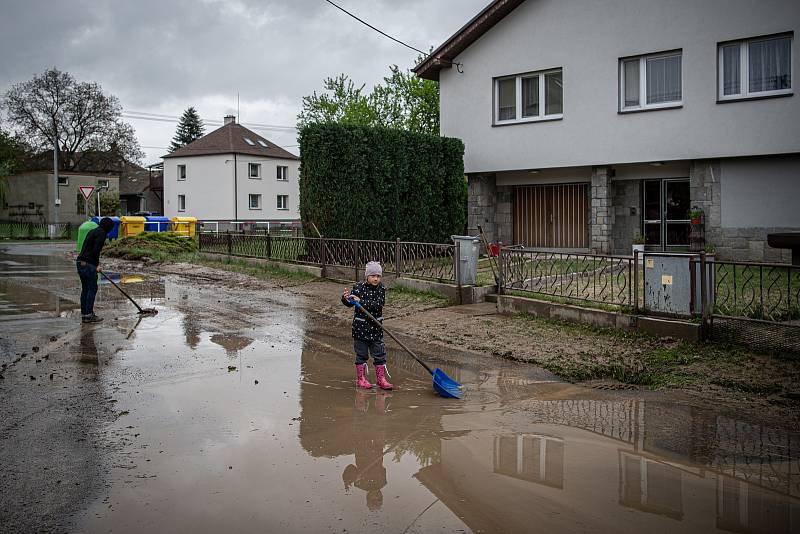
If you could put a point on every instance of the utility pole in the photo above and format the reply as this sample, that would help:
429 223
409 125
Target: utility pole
57 206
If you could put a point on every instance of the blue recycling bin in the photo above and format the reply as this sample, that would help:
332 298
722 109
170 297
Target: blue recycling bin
157 223
114 233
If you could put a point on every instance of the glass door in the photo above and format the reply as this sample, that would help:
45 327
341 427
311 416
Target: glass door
665 214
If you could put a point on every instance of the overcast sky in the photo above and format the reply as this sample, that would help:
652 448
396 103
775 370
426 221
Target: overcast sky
160 57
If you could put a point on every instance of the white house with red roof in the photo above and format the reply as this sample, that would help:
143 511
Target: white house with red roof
232 175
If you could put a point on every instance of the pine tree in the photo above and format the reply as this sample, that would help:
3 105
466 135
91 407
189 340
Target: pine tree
189 128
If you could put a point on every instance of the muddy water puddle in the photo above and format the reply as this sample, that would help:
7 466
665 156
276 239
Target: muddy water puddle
248 421
236 412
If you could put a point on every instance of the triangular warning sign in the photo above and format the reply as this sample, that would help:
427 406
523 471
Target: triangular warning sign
86 191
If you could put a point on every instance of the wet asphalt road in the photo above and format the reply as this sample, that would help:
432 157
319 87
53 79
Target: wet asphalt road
235 410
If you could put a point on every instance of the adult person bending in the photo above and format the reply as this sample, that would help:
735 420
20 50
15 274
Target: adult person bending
88 264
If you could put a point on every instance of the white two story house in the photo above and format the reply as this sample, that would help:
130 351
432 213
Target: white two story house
587 123
232 175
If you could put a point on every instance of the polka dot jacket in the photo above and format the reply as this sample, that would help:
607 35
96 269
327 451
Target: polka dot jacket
373 299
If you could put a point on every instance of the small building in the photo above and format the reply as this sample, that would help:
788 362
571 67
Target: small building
587 124
232 175
33 197
142 190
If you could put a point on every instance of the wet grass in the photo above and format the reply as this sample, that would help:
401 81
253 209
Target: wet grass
656 363
399 294
154 245
263 271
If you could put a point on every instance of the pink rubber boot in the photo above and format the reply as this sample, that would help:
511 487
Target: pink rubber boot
361 376
380 375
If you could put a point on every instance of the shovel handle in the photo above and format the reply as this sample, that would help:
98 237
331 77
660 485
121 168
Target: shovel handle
122 291
358 306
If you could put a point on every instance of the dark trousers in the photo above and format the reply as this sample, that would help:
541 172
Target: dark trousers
365 348
88 274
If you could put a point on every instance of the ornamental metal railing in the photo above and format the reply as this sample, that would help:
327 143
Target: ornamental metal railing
576 276
432 261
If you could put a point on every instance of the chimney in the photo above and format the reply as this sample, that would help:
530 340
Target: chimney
229 119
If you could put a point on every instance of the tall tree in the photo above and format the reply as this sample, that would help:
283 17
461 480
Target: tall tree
82 121
404 101
12 153
189 128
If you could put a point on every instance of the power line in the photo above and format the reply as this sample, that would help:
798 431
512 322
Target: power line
376 29
143 115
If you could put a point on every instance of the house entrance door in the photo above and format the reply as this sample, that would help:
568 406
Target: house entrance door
666 214
552 216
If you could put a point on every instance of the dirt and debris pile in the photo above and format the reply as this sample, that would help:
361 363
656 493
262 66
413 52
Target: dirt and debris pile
153 245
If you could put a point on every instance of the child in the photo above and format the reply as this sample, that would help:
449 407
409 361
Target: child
367 336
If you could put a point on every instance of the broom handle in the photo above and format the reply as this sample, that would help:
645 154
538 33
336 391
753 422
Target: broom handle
377 322
122 291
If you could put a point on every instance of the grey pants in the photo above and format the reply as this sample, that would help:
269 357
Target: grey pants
365 348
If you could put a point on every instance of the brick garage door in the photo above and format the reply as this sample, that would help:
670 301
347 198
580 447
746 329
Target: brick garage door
552 216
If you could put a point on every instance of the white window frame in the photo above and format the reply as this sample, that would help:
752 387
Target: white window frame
103 183
181 200
64 183
518 95
250 198
643 105
283 173
285 199
181 167
257 167
744 69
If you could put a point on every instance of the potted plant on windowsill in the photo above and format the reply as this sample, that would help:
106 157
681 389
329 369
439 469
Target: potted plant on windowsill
638 243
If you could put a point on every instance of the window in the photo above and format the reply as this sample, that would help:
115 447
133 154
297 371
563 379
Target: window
249 141
181 202
651 82
102 183
80 204
262 143
283 202
255 170
755 67
282 173
529 97
255 202
181 172
63 181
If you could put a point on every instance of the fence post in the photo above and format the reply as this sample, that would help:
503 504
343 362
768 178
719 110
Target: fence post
322 254
636 282
458 270
703 295
269 246
397 257
501 269
229 242
356 258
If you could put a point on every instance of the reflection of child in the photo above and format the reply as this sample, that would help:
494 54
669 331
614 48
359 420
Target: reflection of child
368 473
367 336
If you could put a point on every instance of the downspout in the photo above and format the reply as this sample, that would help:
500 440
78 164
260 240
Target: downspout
235 191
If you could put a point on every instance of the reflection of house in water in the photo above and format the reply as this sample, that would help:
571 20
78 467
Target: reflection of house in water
620 466
232 343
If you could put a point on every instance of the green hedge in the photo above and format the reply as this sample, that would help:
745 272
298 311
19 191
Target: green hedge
361 182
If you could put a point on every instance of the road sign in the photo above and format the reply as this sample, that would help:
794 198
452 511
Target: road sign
86 191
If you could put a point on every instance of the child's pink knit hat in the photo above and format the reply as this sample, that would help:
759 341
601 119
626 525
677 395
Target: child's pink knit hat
373 267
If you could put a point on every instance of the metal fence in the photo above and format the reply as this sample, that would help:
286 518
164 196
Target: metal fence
35 230
432 261
582 277
757 304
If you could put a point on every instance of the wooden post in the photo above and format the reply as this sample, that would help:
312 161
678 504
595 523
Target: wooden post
703 295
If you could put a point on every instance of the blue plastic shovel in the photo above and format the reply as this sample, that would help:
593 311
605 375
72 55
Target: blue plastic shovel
442 384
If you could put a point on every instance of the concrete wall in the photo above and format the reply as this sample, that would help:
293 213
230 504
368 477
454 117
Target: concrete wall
761 192
587 39
39 189
209 188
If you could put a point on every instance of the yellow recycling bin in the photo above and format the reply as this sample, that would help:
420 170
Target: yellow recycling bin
184 226
131 225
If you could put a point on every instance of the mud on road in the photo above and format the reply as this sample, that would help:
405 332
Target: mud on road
234 409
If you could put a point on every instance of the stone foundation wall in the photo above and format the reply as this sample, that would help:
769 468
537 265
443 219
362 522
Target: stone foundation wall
505 212
601 218
750 244
482 205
